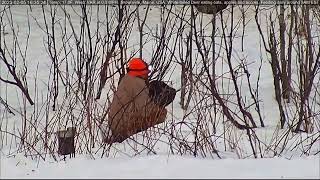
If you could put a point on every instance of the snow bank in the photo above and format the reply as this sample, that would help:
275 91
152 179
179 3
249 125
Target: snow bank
161 166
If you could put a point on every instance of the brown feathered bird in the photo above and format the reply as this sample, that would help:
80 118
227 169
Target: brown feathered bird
211 8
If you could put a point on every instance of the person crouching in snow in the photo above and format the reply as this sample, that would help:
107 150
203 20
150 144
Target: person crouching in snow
132 109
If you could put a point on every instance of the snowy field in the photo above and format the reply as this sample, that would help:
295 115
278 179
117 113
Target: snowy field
125 160
162 166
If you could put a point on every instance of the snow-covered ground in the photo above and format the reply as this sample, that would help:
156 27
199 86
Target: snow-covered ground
163 165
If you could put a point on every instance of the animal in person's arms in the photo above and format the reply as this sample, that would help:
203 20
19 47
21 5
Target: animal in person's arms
161 93
132 109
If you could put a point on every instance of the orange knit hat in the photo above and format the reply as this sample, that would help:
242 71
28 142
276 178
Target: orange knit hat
137 67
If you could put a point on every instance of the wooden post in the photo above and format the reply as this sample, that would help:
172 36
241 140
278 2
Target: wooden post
66 141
